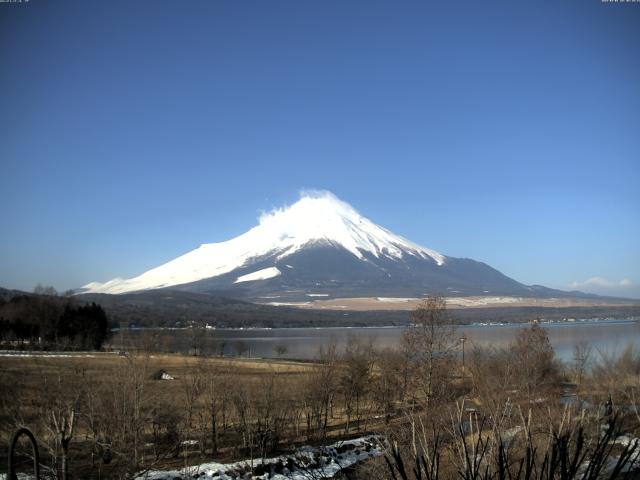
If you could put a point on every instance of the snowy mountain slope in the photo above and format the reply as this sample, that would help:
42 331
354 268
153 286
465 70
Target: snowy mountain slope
322 268
314 219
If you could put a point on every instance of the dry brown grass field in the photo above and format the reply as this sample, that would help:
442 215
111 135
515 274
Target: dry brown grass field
118 401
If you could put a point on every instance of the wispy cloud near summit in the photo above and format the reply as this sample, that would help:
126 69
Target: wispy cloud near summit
605 286
601 282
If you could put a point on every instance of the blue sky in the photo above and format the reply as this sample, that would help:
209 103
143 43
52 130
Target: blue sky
507 132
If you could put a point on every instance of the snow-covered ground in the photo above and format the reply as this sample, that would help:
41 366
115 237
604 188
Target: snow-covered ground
481 301
20 353
396 299
305 464
289 304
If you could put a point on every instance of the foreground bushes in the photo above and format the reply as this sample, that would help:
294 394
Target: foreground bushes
567 454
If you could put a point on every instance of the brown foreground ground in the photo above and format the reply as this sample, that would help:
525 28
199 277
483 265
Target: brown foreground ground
126 418
121 401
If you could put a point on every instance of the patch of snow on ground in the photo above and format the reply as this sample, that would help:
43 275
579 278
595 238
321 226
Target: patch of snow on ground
625 440
394 299
306 463
476 301
47 355
288 304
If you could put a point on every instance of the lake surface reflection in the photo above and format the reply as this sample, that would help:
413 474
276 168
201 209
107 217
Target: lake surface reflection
608 337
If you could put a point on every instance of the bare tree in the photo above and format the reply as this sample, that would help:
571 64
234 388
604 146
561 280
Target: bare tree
431 347
534 359
492 374
320 390
197 338
193 386
215 392
355 378
47 290
280 350
221 346
59 409
241 348
618 376
127 412
387 385
581 358
64 422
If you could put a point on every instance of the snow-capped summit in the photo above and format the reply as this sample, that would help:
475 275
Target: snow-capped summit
318 218
321 216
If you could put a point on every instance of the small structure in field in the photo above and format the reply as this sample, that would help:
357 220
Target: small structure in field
161 375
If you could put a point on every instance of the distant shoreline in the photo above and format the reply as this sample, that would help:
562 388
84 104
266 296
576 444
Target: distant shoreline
543 322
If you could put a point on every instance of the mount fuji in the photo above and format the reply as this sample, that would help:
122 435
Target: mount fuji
321 247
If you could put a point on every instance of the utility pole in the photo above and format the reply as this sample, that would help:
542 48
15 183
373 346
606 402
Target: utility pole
462 340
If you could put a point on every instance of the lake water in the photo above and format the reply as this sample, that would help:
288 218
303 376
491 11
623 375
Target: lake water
609 337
